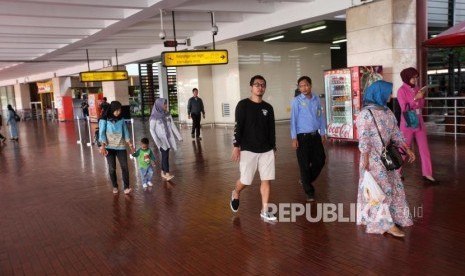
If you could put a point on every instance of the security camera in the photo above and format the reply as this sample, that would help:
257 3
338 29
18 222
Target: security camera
214 30
162 35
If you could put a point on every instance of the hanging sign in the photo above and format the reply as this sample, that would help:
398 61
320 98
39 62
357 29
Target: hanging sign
194 58
103 76
45 87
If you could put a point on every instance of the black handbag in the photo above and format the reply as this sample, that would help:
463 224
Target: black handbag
390 155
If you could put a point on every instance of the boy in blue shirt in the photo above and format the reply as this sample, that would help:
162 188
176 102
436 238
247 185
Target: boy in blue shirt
145 157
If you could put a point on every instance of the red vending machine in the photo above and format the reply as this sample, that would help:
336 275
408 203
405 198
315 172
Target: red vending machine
344 94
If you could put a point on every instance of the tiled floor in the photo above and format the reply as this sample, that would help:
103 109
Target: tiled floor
58 215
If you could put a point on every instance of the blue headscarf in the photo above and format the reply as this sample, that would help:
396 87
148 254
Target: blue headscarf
377 93
159 113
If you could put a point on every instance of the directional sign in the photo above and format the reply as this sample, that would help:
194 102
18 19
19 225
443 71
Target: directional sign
194 58
103 76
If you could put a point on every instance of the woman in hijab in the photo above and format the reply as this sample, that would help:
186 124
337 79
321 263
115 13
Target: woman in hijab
11 122
164 132
410 95
393 210
114 136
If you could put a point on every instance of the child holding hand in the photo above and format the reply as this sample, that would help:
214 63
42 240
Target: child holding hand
145 157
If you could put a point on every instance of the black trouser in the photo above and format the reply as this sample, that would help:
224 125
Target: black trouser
311 157
195 124
123 162
165 160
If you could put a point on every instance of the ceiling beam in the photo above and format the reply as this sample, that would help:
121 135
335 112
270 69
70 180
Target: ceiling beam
60 11
132 4
33 21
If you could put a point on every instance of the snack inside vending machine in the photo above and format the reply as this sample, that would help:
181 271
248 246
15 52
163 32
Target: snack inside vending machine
344 94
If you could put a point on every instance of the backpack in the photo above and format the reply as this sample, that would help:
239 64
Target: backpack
104 113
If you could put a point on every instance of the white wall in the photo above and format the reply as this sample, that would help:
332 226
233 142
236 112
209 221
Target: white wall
226 85
281 64
199 77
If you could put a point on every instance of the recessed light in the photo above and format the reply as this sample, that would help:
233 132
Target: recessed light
273 38
313 29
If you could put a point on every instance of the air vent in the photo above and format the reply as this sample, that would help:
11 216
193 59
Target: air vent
225 109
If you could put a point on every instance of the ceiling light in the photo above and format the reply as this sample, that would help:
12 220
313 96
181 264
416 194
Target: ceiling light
298 49
313 29
340 41
273 38
335 47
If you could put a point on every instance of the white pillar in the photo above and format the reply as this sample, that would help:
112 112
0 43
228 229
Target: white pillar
383 33
22 96
199 77
116 91
163 81
61 87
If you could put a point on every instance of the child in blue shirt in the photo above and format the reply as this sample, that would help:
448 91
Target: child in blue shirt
145 157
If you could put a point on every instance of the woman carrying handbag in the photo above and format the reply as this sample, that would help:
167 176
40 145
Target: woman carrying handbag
393 210
410 96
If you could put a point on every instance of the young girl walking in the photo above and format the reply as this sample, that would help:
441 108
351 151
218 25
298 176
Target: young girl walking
164 132
114 136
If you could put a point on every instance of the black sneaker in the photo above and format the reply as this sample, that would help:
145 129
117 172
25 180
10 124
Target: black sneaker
234 204
193 136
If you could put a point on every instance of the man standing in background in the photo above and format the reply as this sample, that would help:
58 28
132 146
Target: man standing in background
194 108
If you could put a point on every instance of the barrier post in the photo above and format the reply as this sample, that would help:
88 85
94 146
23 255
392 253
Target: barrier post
89 144
79 130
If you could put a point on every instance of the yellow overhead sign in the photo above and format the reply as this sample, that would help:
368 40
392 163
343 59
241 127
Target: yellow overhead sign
193 58
103 76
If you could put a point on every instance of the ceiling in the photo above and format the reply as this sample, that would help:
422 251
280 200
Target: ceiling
41 39
333 30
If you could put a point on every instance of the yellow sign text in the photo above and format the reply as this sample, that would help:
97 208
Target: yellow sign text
194 58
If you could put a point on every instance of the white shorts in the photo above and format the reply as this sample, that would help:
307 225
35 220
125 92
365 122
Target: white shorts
250 161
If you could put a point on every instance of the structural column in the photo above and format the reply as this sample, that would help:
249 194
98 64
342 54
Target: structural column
63 98
199 77
163 81
116 90
22 96
383 33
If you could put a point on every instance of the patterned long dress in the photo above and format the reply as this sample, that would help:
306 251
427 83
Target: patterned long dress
394 209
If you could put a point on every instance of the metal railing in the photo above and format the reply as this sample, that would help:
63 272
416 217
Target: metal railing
445 115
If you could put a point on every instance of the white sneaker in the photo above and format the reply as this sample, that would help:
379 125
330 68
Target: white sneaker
150 184
268 216
163 175
145 186
127 191
115 190
168 176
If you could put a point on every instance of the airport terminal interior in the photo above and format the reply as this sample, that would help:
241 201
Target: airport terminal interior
59 215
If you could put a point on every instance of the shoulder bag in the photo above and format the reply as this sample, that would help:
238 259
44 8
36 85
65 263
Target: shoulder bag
410 116
16 116
390 155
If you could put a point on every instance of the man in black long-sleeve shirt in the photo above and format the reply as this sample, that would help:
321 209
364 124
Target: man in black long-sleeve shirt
254 144
194 108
